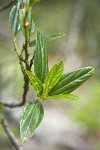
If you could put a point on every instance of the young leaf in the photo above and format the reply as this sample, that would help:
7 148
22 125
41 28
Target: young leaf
40 58
53 77
71 81
48 38
64 96
21 19
36 83
30 119
14 18
29 20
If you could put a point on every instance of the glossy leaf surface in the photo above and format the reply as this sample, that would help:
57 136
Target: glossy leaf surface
40 58
36 83
14 19
30 119
71 81
53 77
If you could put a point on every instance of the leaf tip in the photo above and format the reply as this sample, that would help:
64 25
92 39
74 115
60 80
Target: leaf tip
90 69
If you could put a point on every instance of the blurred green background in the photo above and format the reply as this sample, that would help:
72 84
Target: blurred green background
80 21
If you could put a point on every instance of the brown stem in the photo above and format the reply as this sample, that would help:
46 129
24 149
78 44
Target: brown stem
31 62
10 135
27 39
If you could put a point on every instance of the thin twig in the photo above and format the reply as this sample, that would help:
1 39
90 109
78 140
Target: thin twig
10 135
27 67
19 56
7 6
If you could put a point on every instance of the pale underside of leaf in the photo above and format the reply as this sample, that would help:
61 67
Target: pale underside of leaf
30 119
71 81
14 18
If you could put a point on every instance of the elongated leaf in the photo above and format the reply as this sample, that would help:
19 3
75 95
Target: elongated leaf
36 83
14 18
64 96
29 21
53 37
30 119
53 77
21 18
71 81
48 38
40 58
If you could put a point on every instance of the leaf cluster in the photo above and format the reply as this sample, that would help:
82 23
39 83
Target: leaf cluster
53 83
48 84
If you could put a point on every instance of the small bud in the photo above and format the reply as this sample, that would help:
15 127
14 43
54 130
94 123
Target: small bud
26 24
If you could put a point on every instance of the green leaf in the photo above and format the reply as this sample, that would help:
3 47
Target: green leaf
14 19
53 77
29 20
54 36
40 58
32 43
64 96
48 38
71 81
36 83
30 119
21 18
